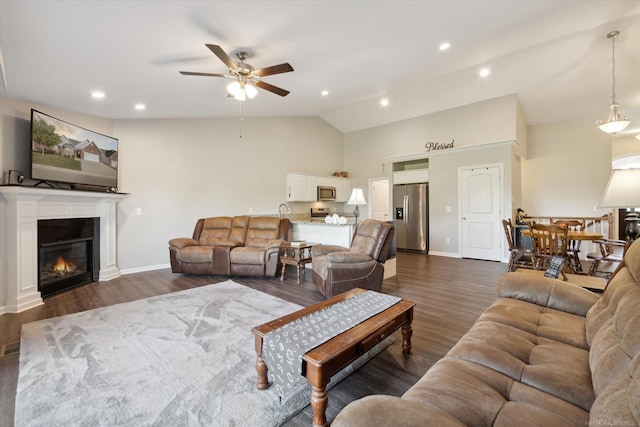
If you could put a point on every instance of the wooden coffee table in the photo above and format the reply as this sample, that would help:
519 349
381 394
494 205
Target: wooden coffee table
324 361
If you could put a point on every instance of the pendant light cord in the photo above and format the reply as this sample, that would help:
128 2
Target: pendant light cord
613 66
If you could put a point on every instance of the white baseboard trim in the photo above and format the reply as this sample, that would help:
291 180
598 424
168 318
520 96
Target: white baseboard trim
145 268
447 254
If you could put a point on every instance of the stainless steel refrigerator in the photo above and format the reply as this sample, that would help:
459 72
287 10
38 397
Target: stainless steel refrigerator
411 214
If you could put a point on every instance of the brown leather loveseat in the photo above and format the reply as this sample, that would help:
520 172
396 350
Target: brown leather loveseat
236 246
546 353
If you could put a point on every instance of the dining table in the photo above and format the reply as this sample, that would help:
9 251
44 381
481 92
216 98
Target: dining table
575 265
575 234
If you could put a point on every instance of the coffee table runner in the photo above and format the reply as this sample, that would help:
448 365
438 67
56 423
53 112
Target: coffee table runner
283 348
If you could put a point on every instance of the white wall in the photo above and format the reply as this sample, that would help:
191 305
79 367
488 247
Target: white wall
486 128
567 168
177 171
16 131
180 170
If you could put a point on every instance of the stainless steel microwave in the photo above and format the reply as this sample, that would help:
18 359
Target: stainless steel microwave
326 194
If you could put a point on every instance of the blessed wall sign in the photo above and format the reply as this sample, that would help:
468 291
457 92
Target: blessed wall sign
434 146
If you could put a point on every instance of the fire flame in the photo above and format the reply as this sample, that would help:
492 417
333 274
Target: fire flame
63 266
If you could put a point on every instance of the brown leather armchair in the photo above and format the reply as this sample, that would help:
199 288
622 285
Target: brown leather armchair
337 269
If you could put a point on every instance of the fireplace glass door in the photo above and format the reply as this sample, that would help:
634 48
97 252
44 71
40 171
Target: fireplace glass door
68 254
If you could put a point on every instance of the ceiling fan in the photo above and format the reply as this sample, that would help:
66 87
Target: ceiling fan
244 75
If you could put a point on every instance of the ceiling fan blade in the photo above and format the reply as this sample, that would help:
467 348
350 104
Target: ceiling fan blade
222 55
275 69
271 88
191 73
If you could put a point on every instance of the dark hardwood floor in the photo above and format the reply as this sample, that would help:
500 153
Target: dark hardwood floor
449 293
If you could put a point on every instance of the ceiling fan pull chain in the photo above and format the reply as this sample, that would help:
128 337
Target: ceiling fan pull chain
241 119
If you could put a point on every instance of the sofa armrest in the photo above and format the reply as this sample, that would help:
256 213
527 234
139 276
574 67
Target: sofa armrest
391 411
276 243
546 292
346 257
319 250
183 242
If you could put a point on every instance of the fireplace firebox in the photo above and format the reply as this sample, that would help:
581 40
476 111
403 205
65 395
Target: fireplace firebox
68 254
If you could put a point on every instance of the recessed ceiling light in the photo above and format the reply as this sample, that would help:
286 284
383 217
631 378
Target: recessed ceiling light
140 107
384 102
324 93
444 46
97 94
485 72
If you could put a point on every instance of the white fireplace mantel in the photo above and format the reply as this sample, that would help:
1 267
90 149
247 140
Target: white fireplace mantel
20 209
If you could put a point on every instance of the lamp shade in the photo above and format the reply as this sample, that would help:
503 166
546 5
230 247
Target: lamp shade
357 197
623 189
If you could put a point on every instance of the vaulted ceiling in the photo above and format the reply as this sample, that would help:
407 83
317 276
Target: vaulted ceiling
553 54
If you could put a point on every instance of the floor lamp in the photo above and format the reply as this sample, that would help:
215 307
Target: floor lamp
357 198
623 192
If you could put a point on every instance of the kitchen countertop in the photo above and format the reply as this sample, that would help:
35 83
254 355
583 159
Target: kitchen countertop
309 222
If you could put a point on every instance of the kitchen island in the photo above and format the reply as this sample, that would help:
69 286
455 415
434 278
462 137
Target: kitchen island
321 232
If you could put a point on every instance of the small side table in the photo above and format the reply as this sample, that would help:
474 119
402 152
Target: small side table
295 255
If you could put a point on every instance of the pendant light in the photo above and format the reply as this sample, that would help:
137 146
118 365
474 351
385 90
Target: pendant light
614 122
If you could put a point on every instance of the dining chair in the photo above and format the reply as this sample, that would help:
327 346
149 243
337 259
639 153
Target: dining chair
611 252
518 256
573 246
548 240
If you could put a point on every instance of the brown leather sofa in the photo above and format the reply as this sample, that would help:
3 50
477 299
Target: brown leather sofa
546 353
337 269
236 246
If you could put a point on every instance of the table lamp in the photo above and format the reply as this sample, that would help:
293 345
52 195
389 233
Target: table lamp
357 198
623 192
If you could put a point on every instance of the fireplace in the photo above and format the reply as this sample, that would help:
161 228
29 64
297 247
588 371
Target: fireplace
68 254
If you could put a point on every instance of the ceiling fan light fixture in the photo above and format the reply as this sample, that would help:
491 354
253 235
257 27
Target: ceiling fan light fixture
615 123
234 88
250 90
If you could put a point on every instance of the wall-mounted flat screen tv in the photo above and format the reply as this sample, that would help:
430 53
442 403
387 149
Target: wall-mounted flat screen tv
66 153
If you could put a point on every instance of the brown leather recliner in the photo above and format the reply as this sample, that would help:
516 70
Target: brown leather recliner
337 269
240 245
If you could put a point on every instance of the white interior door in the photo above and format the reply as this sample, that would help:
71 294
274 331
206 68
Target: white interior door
480 201
379 199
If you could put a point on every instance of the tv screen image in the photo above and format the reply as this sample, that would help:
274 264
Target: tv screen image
64 152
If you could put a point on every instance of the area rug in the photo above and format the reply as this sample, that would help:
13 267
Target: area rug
181 359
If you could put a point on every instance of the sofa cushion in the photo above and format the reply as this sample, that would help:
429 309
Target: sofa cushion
479 396
369 238
239 230
538 320
619 403
529 359
196 254
342 261
215 229
247 255
261 230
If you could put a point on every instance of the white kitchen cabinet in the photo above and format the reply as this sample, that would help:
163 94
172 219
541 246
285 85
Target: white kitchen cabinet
343 189
326 181
411 176
302 188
